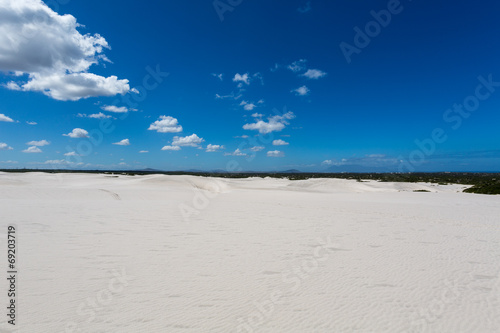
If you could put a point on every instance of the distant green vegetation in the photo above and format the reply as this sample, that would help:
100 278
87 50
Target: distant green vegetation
492 187
483 183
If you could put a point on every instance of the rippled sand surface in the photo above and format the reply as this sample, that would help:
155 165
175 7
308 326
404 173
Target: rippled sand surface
189 254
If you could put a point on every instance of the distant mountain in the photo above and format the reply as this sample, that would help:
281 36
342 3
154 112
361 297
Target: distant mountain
149 170
253 171
220 171
357 169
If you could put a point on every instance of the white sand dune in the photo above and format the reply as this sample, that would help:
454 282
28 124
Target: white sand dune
190 254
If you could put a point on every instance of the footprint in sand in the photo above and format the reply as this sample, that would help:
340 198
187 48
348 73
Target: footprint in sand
113 194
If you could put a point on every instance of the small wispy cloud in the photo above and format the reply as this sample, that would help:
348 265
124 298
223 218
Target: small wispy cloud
248 106
99 115
301 91
214 148
61 162
258 76
297 66
124 142
275 67
237 152
371 160
245 79
40 143
275 153
314 74
306 8
4 146
230 96
219 76
257 148
174 148
116 109
32 150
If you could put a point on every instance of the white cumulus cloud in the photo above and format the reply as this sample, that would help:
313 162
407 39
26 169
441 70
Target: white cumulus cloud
5 118
265 127
75 86
280 142
166 124
78 133
274 124
242 78
171 148
188 141
48 48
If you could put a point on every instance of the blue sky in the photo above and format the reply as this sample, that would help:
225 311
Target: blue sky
250 85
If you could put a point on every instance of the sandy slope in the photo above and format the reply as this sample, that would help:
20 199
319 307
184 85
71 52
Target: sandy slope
189 254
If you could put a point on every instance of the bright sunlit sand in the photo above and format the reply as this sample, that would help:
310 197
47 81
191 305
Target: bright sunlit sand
160 253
